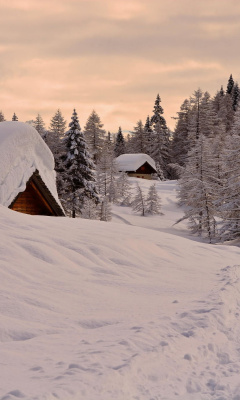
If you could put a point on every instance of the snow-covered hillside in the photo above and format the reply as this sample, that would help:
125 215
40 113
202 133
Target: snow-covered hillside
132 309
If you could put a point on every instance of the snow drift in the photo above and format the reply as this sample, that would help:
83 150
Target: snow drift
102 311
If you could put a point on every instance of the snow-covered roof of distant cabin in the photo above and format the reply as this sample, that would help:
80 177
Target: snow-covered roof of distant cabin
22 152
131 162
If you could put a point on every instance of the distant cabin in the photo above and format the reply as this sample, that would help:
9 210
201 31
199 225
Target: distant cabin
136 165
27 176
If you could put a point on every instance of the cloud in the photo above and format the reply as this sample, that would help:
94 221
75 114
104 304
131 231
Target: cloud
114 56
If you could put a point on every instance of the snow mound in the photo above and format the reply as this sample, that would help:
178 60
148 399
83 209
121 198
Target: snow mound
131 162
101 311
22 152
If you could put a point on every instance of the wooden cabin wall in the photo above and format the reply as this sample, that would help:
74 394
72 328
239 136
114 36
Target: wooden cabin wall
145 169
31 202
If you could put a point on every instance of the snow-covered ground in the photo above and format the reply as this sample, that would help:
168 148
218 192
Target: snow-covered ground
131 309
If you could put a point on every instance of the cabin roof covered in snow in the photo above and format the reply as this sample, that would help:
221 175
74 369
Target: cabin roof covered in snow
22 152
131 162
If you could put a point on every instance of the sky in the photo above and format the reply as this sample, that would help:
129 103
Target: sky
113 56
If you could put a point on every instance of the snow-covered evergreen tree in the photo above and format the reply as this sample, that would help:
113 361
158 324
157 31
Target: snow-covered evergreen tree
14 117
2 116
159 139
94 135
159 170
139 201
157 117
153 201
39 125
160 151
120 144
79 170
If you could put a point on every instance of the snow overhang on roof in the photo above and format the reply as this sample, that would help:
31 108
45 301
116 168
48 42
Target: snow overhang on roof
131 162
22 152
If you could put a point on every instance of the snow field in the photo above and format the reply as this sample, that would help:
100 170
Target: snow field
132 309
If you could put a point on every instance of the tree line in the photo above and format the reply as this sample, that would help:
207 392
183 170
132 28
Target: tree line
202 153
205 150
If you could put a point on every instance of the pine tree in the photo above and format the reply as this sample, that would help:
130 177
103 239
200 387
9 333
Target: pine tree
227 112
235 96
14 117
160 151
139 201
54 139
180 144
217 103
138 140
230 85
39 125
153 202
79 170
159 139
94 135
58 124
2 116
157 117
120 144
159 170
128 144
148 133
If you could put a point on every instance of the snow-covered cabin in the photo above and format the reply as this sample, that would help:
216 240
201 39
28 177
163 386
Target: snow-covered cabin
138 165
27 176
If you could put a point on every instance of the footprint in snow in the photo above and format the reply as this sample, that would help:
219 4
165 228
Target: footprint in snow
163 343
188 334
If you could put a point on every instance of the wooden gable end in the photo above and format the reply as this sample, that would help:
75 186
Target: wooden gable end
36 199
31 202
145 169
